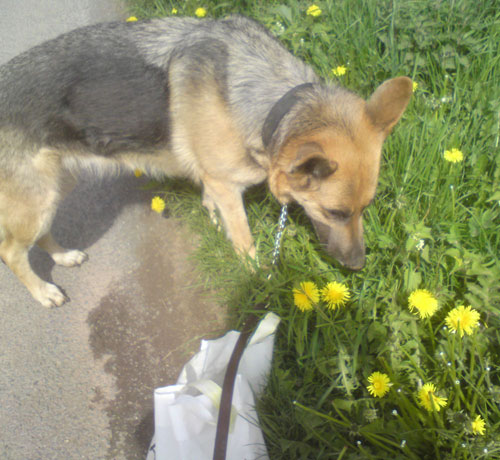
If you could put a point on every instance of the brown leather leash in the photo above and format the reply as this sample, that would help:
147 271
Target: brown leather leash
222 433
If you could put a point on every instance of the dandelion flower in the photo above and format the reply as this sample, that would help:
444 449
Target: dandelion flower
174 11
131 19
424 302
465 319
428 398
339 70
314 11
415 86
137 173
335 294
478 425
453 155
380 384
306 295
157 204
200 12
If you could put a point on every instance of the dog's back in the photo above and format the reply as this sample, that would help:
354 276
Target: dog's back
52 90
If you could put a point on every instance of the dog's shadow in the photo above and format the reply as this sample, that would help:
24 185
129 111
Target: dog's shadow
88 212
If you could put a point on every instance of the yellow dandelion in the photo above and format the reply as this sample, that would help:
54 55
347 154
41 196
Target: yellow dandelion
200 12
306 295
339 70
463 319
429 400
424 302
131 19
453 155
314 11
380 384
415 86
138 173
335 294
174 11
478 426
157 204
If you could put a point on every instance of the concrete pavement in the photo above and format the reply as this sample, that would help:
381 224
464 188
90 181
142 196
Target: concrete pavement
77 382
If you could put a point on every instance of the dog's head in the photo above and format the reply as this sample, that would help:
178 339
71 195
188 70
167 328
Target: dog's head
332 169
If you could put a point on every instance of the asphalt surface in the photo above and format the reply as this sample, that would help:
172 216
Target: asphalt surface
77 382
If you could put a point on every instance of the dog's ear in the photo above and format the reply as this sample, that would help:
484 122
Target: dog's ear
310 166
388 102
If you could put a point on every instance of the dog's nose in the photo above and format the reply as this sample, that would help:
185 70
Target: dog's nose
354 260
356 267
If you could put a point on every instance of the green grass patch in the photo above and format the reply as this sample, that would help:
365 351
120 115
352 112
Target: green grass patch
435 225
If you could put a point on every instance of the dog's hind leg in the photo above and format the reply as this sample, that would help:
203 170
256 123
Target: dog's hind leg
28 203
60 255
15 254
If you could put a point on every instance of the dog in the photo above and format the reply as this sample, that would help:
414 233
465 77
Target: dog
221 102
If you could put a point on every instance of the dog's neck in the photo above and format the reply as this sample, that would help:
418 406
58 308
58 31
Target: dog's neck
279 110
273 119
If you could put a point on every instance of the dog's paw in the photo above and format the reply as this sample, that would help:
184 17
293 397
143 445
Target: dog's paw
209 204
70 258
252 252
49 295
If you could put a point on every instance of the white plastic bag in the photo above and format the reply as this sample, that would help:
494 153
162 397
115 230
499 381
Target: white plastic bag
186 413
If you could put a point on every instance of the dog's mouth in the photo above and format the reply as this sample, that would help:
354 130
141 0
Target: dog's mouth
350 252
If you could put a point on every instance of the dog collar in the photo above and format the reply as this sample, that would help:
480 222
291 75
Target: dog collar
279 110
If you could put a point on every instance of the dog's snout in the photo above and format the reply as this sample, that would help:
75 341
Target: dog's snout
354 265
346 249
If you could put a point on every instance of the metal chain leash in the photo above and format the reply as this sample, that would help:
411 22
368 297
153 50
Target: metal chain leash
279 233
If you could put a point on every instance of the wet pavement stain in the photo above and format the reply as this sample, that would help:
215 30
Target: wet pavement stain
144 330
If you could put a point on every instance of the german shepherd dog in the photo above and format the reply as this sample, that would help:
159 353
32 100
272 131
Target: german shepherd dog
220 102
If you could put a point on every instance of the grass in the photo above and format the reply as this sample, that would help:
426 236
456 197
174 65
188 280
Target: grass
435 225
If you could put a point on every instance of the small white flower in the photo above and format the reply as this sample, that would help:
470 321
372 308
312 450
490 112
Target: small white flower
420 245
403 443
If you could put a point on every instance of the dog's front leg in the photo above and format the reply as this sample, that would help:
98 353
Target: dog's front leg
227 198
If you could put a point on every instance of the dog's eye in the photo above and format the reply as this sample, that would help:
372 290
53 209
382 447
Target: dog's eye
338 214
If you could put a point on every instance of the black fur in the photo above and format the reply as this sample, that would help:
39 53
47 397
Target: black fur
118 108
103 95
